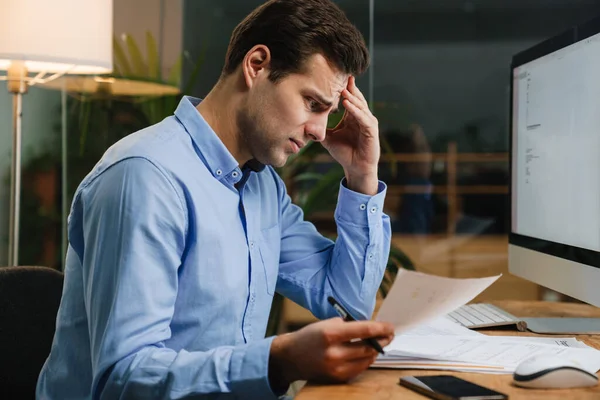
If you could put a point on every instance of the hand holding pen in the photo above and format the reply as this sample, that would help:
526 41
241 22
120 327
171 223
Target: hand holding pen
347 317
331 350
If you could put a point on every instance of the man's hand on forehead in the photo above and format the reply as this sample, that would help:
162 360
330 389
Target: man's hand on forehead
354 141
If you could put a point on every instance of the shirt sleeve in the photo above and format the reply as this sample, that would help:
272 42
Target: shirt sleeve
350 269
132 228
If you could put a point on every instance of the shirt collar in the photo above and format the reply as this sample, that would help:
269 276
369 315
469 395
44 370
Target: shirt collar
215 155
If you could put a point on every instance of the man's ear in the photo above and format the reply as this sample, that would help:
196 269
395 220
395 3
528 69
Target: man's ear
256 64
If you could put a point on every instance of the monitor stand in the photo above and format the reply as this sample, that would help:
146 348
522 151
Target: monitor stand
556 326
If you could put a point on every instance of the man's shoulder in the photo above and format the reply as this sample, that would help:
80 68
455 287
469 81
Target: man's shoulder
162 146
162 142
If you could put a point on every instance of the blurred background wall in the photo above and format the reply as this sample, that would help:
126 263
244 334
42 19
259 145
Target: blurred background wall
438 84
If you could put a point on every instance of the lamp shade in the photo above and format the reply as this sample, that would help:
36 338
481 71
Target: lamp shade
57 36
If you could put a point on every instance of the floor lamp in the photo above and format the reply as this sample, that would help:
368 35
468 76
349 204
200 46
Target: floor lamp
47 39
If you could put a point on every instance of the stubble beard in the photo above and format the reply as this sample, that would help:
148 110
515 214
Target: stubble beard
256 140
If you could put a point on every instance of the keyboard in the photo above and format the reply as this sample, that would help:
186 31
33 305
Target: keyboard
482 315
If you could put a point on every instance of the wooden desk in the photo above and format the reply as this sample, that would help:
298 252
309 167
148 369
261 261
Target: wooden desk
383 384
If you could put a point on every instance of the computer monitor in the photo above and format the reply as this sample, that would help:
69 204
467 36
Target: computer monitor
554 237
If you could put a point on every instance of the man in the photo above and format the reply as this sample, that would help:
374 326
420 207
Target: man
180 236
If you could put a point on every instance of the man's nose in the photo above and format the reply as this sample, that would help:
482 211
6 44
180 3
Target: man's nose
317 129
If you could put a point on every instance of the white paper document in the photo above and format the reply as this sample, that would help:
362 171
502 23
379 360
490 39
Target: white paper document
565 342
440 327
416 298
438 365
417 305
434 329
494 354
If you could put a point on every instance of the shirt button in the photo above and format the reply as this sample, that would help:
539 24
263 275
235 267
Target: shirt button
234 174
251 245
218 172
373 209
371 256
363 207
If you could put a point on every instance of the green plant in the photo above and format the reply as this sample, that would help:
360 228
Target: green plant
131 64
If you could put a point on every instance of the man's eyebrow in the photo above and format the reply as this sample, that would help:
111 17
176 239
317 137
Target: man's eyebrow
322 100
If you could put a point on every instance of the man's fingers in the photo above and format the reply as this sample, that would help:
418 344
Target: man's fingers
361 117
384 341
356 91
358 348
351 351
349 97
351 369
354 103
360 110
360 330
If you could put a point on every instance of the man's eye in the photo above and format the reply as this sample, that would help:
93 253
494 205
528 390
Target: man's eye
314 105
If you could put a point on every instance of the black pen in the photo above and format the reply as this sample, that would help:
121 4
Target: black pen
347 317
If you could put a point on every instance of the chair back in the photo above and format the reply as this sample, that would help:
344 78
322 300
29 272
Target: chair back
29 301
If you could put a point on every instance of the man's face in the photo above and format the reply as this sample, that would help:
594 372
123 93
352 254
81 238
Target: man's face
280 118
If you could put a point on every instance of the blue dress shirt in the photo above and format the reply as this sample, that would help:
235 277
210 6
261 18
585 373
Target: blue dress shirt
174 255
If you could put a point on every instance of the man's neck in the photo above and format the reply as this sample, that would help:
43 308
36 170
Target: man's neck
219 110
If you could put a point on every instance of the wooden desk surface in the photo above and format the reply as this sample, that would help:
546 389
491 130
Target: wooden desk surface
383 384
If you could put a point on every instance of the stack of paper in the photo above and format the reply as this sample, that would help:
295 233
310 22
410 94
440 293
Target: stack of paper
445 345
417 305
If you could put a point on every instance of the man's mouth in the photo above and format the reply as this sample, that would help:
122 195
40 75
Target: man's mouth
296 146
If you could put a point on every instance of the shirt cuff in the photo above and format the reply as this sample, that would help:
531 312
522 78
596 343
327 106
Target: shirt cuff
358 208
250 367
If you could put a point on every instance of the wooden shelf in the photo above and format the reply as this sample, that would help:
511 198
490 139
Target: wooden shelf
452 159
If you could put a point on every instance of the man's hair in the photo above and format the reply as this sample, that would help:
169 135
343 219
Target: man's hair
294 30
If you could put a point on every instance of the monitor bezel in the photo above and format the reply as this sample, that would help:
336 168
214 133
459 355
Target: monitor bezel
555 43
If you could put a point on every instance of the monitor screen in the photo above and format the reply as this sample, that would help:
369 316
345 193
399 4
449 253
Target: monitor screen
555 185
554 237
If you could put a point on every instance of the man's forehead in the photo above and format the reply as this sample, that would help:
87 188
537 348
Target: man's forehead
327 77
334 91
339 84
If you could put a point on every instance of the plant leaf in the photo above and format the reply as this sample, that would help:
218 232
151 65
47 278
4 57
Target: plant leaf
140 70
324 193
401 258
152 54
175 72
334 119
121 62
116 71
308 176
84 124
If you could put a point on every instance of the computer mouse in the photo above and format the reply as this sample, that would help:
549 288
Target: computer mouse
552 372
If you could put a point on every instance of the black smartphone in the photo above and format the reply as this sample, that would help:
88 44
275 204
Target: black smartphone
448 387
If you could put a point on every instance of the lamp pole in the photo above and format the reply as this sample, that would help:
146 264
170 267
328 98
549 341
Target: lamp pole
17 86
